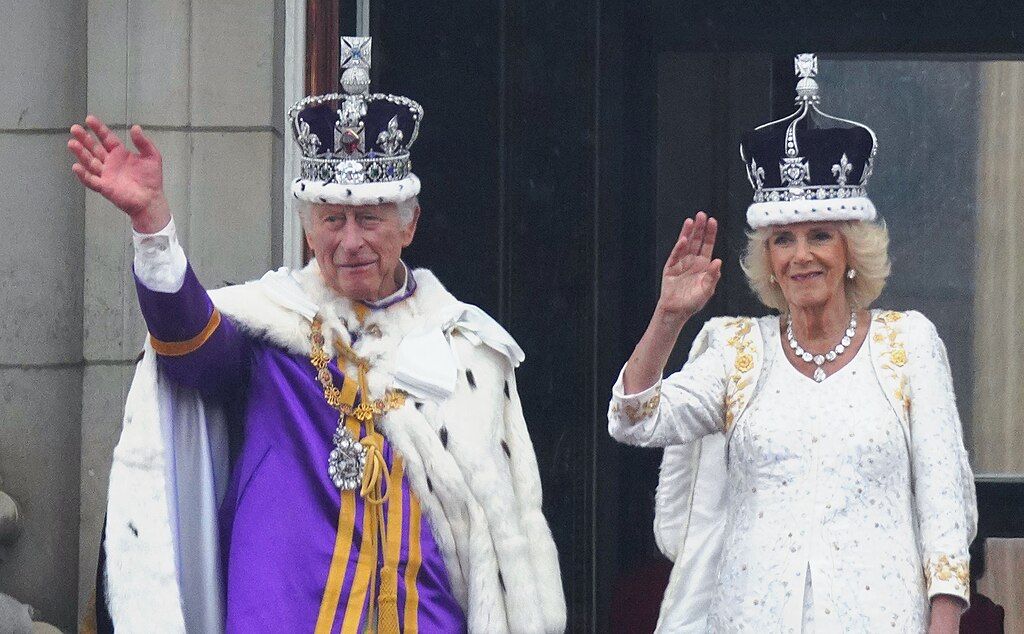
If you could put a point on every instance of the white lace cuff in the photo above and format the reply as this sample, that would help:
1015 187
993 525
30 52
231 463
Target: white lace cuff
160 262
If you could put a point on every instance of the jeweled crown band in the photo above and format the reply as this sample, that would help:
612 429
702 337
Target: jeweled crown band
824 192
379 169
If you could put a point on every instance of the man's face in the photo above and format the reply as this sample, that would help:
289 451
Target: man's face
358 247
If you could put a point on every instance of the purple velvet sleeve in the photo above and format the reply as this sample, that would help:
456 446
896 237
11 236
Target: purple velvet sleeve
218 367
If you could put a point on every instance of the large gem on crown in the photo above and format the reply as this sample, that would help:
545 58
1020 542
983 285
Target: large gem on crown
351 141
349 173
795 171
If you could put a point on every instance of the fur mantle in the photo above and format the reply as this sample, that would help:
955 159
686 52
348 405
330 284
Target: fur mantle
468 457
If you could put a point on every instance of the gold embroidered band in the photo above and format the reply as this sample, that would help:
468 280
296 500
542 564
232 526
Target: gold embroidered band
181 348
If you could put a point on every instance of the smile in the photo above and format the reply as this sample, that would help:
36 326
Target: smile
356 268
803 277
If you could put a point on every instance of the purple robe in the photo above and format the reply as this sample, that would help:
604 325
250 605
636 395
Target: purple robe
282 520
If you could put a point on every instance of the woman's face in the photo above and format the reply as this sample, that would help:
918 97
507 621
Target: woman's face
808 260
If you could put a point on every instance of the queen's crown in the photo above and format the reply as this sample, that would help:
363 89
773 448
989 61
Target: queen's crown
796 159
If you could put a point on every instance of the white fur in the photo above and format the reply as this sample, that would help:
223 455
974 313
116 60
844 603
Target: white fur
361 194
484 507
139 541
787 212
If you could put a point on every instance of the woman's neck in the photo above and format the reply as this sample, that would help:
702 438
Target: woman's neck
821 324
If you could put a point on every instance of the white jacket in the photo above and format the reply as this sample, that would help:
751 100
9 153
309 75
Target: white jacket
695 412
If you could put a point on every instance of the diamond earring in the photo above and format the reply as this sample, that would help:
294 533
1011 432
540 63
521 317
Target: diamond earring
851 273
771 279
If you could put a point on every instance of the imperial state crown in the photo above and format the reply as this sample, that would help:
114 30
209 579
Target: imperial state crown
355 144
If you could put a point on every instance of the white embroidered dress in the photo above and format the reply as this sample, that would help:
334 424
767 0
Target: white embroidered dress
821 483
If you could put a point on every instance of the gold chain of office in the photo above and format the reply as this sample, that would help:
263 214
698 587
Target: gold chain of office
369 409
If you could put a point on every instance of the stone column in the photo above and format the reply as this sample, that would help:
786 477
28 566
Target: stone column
998 446
42 70
203 78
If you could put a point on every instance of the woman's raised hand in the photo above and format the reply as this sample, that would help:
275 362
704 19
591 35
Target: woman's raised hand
133 182
690 275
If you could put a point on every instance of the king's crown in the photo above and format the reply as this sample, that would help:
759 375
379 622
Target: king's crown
355 137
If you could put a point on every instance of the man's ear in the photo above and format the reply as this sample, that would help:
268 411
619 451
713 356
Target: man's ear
410 229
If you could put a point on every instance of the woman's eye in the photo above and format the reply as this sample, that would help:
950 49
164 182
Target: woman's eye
780 239
822 236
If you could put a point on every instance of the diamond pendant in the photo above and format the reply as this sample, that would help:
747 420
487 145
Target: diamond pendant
347 461
819 374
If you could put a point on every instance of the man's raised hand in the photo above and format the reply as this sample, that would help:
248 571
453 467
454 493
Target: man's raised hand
132 181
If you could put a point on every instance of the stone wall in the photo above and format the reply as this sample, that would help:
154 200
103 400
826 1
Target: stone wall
42 217
203 77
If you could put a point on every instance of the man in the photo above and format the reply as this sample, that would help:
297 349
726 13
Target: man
381 475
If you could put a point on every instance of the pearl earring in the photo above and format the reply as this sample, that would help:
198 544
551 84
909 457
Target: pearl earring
771 279
851 273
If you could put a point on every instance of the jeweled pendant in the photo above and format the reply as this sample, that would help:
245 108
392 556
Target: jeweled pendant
347 461
819 374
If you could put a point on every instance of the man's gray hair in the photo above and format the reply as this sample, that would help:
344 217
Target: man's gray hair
405 209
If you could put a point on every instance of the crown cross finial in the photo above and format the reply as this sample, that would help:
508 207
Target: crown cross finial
355 59
355 52
805 65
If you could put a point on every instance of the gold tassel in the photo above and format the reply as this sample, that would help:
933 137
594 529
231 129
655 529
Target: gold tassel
387 620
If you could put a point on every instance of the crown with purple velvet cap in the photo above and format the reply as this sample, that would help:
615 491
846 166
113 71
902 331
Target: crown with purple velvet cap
354 144
822 172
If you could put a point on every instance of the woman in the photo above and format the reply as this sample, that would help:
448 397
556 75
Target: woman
848 503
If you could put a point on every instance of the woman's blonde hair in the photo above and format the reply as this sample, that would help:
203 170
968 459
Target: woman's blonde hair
867 252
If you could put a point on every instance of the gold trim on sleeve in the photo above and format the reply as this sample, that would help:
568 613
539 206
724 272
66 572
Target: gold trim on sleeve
636 412
181 348
947 568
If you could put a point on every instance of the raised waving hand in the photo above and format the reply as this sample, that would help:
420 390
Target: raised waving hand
132 181
690 275
687 283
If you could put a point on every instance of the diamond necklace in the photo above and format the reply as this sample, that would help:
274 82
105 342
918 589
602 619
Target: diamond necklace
820 359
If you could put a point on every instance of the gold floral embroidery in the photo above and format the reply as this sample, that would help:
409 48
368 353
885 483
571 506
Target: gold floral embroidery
639 411
891 316
889 335
947 568
744 363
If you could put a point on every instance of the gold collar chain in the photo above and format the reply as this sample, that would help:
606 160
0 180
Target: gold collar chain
369 410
